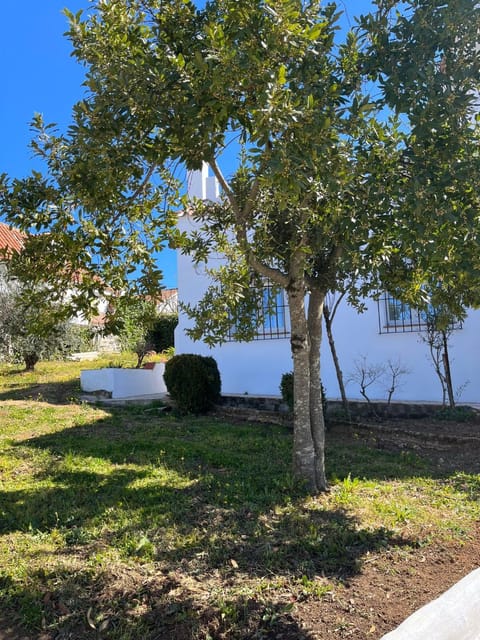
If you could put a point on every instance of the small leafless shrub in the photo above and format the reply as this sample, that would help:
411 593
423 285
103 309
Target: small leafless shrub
365 375
394 372
389 376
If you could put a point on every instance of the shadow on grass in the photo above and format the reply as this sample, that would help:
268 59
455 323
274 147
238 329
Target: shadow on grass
51 392
222 492
194 498
155 607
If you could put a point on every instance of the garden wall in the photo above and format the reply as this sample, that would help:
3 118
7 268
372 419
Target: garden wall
124 383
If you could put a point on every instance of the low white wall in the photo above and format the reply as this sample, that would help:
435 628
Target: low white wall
138 382
96 380
455 615
125 383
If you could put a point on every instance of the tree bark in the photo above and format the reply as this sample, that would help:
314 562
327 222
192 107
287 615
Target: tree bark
317 418
309 430
30 360
333 350
448 373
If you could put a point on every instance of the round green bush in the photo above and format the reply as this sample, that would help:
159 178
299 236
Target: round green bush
286 389
193 382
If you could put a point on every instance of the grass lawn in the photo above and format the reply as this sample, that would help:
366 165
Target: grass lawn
129 523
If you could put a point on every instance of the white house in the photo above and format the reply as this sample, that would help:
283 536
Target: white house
387 332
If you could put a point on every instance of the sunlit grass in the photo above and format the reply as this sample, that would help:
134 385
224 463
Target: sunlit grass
96 503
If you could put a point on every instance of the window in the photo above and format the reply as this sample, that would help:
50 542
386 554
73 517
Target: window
395 316
274 315
272 320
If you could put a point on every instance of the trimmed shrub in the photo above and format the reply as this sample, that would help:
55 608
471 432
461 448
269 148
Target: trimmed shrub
286 389
193 382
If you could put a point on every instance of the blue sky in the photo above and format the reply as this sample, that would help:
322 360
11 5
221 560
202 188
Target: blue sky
39 75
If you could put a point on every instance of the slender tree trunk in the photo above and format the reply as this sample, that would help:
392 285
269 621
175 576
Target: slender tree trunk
333 350
448 373
308 438
317 418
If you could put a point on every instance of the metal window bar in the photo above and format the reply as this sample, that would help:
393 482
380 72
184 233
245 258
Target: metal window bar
275 323
395 316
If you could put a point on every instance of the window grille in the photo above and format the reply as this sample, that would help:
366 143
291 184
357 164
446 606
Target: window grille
395 316
273 321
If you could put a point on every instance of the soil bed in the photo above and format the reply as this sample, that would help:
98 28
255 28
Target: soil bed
391 586
449 445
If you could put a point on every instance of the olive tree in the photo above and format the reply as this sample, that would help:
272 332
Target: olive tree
27 335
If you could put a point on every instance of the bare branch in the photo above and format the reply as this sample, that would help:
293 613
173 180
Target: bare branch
225 187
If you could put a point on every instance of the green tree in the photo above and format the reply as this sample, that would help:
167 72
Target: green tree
132 320
162 333
360 159
28 334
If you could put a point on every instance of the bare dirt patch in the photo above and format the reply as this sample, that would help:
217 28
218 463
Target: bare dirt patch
389 588
449 445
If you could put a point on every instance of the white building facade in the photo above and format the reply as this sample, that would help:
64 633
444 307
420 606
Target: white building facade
386 333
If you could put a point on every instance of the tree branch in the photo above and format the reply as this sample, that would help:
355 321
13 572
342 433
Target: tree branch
226 187
141 187
275 275
335 306
240 227
323 280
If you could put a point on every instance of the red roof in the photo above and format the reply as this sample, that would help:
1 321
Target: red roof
162 296
166 294
10 239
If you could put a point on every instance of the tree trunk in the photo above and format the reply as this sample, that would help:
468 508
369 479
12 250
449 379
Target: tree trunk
333 350
448 373
30 360
317 418
309 429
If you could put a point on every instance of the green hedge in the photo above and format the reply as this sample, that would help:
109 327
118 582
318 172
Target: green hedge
286 389
193 382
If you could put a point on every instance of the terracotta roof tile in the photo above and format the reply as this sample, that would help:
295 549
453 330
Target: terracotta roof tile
11 239
166 294
162 296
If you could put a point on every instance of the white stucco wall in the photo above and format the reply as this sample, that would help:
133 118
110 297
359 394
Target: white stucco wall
357 335
256 367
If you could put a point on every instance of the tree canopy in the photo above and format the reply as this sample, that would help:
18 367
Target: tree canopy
359 160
